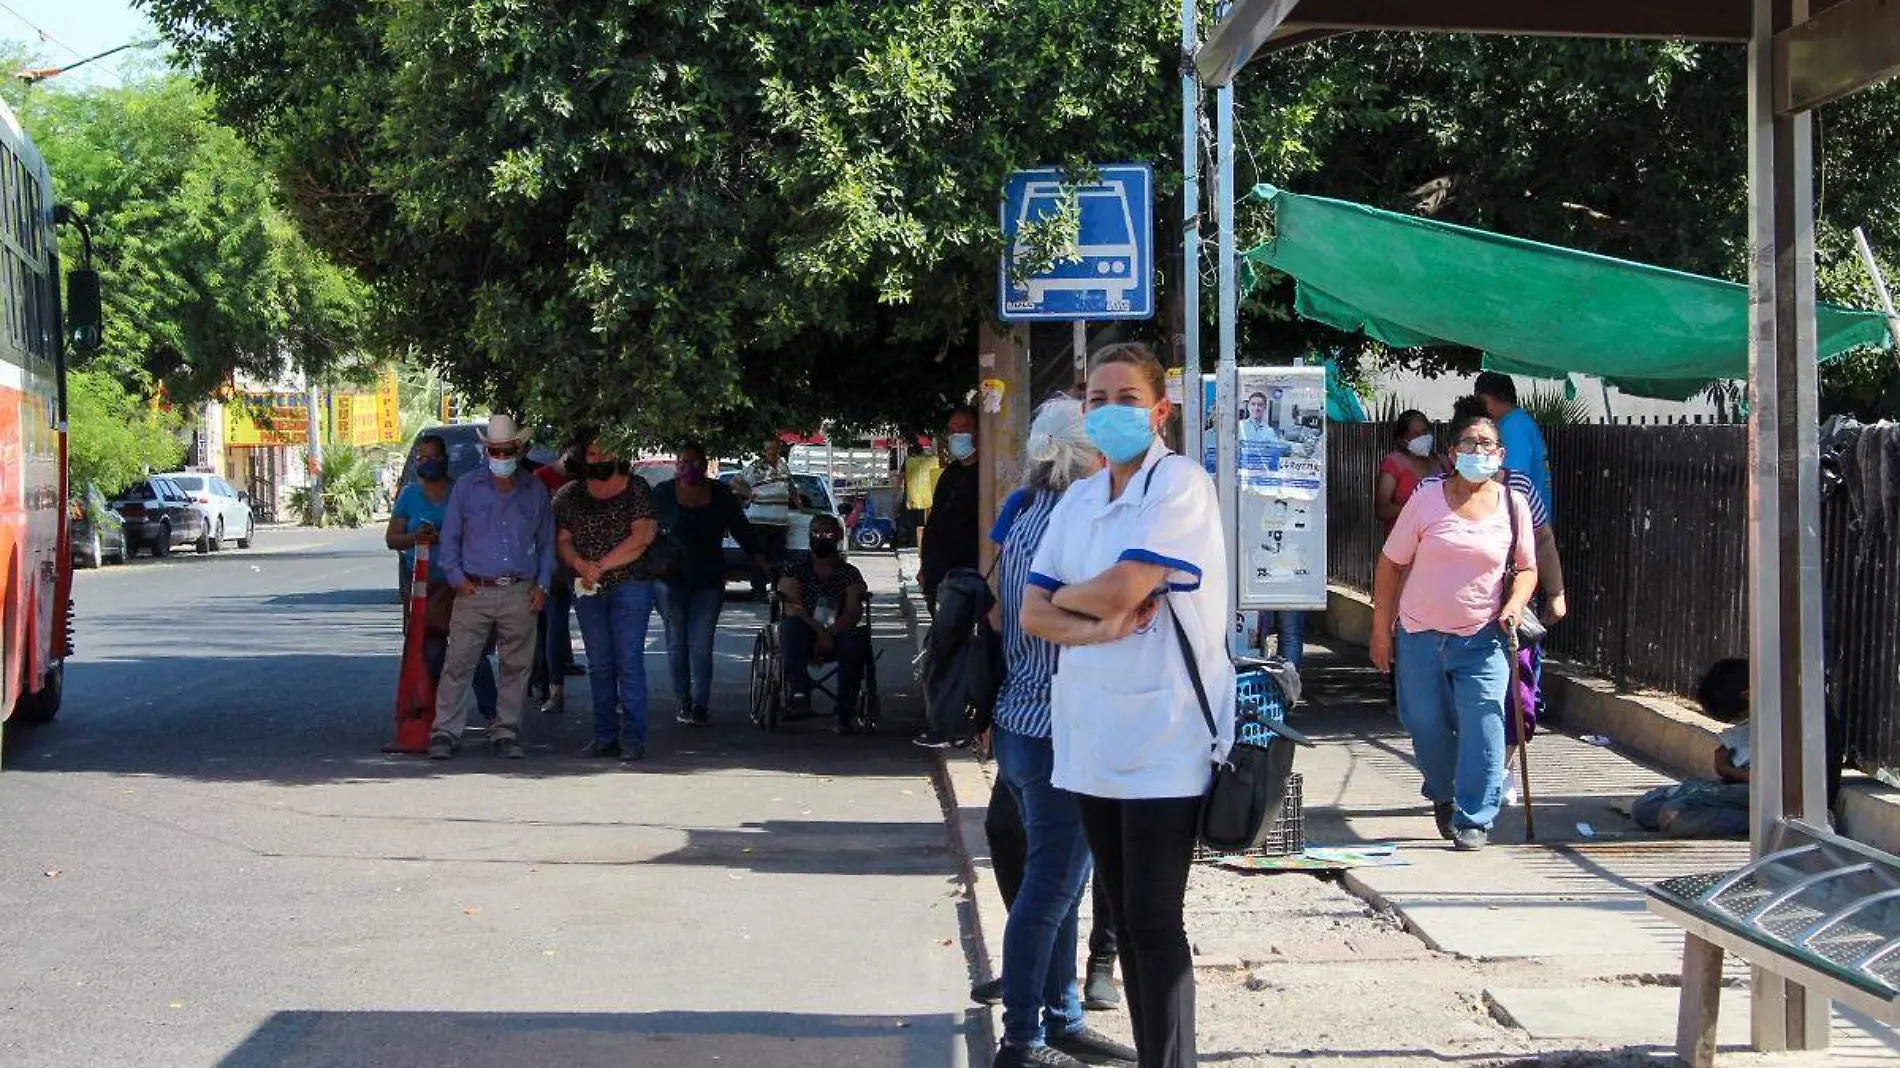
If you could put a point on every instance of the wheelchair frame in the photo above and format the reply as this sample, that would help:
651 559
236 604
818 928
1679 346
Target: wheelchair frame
769 685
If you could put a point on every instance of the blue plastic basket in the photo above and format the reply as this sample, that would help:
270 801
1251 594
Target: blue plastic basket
1257 701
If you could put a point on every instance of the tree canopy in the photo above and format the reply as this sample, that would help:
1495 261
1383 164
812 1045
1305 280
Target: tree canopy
204 275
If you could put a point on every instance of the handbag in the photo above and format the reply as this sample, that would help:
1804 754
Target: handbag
665 559
1530 630
1248 792
964 667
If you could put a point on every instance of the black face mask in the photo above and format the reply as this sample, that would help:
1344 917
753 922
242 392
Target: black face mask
602 470
824 547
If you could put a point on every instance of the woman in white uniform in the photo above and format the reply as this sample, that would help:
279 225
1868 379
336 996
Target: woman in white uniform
1128 551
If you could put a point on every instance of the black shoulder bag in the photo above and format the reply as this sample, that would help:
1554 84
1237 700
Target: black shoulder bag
1249 788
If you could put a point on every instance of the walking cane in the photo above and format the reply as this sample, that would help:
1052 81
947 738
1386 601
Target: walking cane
1515 699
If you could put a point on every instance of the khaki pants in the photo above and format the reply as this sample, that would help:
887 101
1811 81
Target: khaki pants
502 610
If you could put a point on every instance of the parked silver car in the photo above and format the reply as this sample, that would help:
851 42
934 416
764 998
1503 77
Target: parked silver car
227 510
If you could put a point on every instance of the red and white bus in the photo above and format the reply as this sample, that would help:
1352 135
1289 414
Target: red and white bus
35 561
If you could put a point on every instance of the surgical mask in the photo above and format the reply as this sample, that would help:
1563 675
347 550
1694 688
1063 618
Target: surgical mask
1479 466
600 470
431 470
824 547
1420 446
503 467
1120 431
962 446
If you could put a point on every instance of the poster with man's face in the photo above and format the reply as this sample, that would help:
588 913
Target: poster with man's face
1280 482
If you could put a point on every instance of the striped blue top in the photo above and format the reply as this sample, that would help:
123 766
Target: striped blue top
1022 707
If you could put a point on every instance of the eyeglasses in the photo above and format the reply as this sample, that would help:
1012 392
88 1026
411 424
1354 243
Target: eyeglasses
1475 445
503 452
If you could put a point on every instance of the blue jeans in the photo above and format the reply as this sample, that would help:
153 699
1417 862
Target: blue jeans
1040 997
1451 700
435 652
614 631
1291 627
850 650
692 623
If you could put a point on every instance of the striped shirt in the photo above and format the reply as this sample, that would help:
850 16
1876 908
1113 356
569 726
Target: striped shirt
1022 707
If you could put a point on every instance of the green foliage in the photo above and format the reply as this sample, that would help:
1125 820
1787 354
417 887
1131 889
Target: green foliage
667 218
1552 405
113 437
203 274
349 489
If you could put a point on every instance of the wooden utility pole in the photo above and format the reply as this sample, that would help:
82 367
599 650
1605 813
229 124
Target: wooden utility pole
1003 407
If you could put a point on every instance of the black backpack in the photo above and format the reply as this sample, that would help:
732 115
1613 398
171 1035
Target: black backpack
963 658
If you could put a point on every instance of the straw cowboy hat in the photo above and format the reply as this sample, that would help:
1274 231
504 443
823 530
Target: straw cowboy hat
503 430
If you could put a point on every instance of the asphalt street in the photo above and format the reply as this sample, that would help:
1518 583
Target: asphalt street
207 861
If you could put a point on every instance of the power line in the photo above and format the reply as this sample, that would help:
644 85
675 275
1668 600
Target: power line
44 36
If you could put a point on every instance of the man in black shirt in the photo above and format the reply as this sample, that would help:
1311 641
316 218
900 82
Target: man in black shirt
950 530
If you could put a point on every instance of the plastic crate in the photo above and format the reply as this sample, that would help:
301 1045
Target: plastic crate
1257 700
1285 838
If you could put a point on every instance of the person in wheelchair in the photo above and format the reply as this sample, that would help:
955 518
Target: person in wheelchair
822 598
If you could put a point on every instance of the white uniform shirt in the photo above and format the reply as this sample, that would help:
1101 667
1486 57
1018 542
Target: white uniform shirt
1125 721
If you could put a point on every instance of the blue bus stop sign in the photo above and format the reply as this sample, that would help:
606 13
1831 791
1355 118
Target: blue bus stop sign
1108 270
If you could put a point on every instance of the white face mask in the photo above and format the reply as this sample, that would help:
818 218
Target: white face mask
962 446
502 468
1420 446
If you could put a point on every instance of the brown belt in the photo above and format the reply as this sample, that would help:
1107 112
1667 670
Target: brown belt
505 580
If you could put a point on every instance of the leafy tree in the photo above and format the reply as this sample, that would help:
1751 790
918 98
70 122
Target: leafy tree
668 218
203 274
113 435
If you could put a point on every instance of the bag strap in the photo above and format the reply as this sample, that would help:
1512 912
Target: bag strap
1194 672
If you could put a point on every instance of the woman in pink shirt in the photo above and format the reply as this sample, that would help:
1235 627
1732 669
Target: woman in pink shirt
1440 593
1412 460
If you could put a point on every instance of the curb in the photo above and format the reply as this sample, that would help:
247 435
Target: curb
956 774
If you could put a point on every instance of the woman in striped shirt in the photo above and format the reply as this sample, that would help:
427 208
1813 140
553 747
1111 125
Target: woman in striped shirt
1042 1007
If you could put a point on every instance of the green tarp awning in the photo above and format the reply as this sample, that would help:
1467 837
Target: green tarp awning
1533 309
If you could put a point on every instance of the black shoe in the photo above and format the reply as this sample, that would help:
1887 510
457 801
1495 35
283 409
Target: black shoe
1093 1047
931 740
701 716
600 749
507 748
1470 839
845 726
798 706
1098 991
1441 811
1034 1057
441 747
556 701
990 993
684 717
633 753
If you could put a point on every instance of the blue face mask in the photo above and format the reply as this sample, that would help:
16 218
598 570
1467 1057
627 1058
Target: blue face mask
430 470
502 468
1478 466
962 446
1120 431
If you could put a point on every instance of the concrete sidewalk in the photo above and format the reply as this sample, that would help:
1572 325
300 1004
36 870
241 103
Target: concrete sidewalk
1525 952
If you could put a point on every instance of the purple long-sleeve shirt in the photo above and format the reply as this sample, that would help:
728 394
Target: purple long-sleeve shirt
491 534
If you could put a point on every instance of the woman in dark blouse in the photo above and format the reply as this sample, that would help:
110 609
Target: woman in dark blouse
698 513
603 525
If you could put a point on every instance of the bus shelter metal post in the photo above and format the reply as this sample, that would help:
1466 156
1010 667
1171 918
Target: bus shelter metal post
1226 377
1784 498
1192 416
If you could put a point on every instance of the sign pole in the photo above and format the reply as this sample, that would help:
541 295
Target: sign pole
1081 344
315 436
1192 417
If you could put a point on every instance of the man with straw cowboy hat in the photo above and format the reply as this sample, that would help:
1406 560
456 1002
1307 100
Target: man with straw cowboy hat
497 551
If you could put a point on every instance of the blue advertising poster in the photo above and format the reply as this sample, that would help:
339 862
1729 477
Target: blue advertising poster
1280 480
1108 269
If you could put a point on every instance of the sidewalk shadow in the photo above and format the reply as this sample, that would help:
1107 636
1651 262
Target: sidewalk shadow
320 1039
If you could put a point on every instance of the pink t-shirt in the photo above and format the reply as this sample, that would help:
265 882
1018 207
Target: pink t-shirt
1456 581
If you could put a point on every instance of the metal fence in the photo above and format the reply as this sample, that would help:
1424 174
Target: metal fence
1652 527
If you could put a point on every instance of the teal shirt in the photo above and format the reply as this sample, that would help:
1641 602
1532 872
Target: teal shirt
701 533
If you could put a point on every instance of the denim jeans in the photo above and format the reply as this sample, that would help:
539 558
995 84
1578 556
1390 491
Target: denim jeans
850 650
1040 997
1009 854
435 652
1451 700
1143 849
614 631
692 623
1291 627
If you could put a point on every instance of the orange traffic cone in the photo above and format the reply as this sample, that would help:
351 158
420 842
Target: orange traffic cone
415 690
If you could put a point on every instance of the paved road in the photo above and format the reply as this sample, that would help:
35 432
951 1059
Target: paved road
207 861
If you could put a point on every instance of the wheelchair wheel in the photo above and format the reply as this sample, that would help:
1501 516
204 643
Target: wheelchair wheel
765 682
